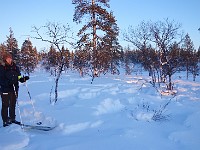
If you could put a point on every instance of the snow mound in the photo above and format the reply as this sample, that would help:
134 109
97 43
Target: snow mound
108 106
74 128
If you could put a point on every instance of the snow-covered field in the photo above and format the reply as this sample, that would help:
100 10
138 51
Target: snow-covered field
114 113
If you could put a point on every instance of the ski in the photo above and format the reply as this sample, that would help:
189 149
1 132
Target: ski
37 127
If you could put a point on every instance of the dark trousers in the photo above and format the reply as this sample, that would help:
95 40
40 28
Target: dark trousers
8 106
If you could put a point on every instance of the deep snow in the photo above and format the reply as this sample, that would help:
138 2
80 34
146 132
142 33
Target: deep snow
114 113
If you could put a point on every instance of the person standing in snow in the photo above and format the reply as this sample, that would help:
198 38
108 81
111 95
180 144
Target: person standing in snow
9 85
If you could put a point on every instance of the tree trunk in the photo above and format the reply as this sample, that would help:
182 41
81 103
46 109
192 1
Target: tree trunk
94 38
57 79
170 83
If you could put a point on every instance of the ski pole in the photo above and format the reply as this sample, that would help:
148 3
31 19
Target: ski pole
18 107
39 123
30 97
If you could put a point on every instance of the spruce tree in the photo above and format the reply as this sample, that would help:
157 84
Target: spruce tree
28 58
188 49
12 46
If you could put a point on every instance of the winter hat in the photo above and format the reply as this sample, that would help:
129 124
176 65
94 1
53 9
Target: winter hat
6 55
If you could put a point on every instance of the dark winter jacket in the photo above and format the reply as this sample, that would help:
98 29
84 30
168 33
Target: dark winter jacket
9 77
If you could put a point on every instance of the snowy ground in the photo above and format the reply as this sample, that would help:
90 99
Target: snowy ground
114 113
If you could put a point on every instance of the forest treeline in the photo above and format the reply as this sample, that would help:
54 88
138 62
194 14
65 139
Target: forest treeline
179 58
161 48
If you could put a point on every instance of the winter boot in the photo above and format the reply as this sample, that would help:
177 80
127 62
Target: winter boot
16 122
5 124
9 121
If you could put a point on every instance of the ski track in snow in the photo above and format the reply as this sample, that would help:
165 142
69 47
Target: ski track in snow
112 113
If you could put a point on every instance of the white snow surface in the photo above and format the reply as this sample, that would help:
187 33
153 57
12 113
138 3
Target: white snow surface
116 112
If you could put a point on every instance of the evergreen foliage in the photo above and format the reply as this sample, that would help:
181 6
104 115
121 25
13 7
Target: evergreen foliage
12 46
160 47
98 37
28 57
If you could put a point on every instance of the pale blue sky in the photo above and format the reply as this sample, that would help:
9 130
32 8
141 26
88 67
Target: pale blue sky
21 15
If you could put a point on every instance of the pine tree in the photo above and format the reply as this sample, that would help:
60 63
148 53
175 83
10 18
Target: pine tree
109 47
99 35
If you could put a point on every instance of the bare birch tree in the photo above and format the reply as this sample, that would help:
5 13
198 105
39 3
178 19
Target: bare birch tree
57 35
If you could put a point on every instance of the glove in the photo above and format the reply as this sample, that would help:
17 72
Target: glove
24 79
